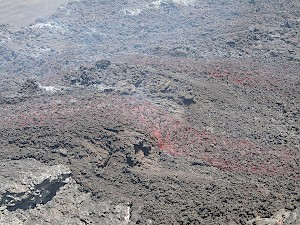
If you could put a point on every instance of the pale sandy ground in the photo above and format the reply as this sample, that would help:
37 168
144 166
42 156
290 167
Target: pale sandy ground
21 13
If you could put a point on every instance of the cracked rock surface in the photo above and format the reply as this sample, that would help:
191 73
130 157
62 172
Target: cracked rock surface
27 183
33 193
281 217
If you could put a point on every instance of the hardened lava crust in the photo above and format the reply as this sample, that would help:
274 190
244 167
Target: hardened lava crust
152 112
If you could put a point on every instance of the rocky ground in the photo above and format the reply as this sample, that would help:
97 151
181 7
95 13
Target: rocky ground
162 112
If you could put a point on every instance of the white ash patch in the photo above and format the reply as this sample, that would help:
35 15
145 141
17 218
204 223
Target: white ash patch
184 2
132 12
50 89
158 3
46 25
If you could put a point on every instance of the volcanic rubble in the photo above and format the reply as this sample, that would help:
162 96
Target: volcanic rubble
165 112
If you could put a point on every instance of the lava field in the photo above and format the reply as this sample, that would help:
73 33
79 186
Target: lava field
152 112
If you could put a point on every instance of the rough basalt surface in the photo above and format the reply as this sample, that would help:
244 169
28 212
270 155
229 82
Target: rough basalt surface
33 193
152 112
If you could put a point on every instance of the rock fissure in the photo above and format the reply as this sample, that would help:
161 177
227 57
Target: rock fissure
41 194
